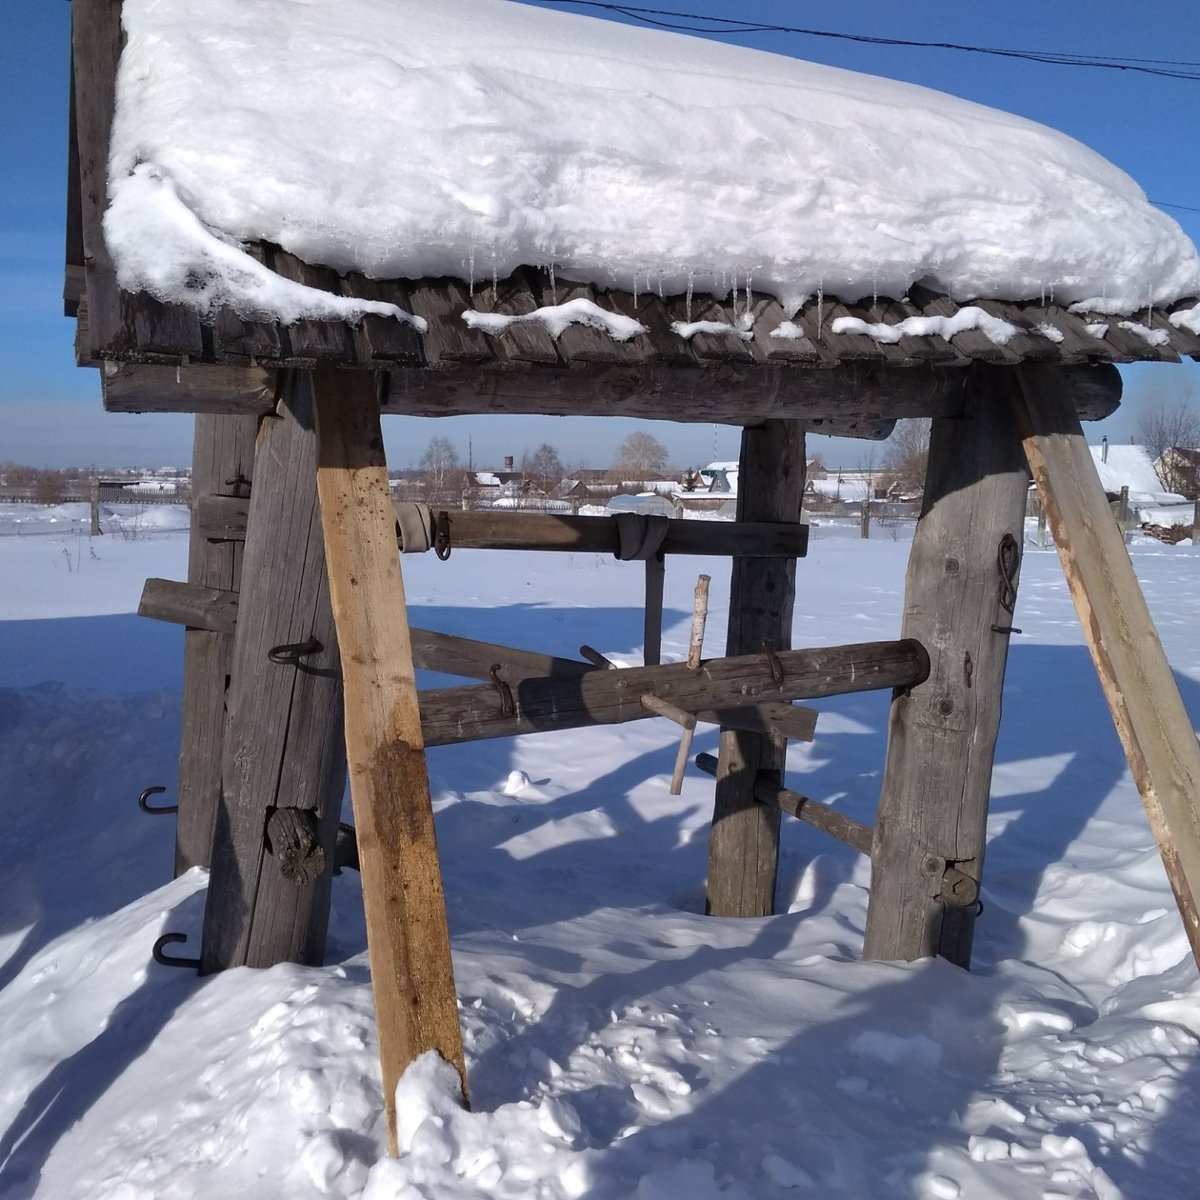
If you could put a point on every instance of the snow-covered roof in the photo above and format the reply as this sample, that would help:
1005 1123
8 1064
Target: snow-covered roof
405 139
1127 466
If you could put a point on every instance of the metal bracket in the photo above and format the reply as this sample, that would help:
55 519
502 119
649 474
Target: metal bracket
154 811
772 660
441 536
956 889
290 653
508 706
170 960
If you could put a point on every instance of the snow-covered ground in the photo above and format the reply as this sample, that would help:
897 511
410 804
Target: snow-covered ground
619 1043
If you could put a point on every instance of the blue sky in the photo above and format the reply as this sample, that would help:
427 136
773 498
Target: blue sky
50 412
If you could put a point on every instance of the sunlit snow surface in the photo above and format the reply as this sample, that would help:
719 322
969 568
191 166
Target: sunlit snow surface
406 139
620 1045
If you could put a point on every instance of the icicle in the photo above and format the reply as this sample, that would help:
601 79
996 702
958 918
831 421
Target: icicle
553 285
690 286
635 289
874 289
749 294
660 287
820 306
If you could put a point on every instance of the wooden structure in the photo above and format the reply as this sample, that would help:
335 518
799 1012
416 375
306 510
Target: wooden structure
295 603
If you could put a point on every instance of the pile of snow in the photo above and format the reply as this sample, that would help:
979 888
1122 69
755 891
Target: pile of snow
620 1045
407 139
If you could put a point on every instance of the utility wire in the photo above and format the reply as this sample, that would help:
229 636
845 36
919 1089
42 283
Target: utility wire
685 22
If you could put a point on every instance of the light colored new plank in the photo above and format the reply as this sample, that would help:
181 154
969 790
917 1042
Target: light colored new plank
407 935
1147 709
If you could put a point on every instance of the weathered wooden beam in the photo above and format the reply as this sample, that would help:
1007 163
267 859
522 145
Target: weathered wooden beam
283 743
408 941
1155 728
215 609
602 697
561 532
855 399
743 847
222 461
959 597
204 388
812 812
225 517
95 50
212 609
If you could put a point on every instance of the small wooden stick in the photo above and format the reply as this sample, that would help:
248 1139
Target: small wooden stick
687 722
596 658
699 620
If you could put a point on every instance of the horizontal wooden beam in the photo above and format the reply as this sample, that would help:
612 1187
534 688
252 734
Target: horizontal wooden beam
215 609
602 697
223 518
856 398
552 531
811 812
192 388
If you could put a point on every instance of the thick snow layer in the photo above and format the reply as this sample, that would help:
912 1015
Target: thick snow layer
403 138
620 1044
1126 466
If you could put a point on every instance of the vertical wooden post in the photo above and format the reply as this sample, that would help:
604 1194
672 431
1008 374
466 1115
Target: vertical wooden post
864 519
407 936
94 499
927 851
656 574
1154 726
283 738
743 848
1196 524
222 465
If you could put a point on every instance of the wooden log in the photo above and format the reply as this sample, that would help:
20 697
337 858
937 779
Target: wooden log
959 595
216 610
812 812
408 940
225 517
1154 726
743 848
699 621
283 738
601 697
222 463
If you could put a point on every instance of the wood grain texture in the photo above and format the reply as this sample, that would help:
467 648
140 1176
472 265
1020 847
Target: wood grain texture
942 733
743 848
604 697
1155 728
283 737
407 936
222 463
143 388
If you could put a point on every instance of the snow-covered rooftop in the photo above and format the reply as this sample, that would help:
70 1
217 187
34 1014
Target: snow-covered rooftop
407 139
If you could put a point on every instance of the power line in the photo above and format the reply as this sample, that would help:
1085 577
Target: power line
685 22
1180 207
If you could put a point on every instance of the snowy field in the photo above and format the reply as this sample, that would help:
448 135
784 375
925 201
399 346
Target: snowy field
619 1044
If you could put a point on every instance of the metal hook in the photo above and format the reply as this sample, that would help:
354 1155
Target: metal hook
170 960
154 811
290 654
441 536
773 660
508 707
